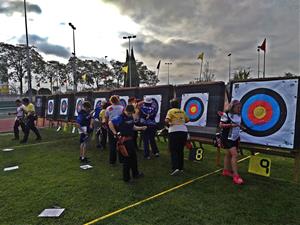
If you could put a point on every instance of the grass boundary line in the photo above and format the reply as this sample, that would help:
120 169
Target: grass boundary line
157 195
35 144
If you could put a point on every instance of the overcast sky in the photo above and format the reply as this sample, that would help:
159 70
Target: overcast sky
171 30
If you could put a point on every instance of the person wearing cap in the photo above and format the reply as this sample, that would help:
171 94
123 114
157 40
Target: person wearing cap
112 112
30 117
122 127
147 118
176 119
230 124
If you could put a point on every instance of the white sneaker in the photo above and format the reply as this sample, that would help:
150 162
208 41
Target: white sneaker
175 172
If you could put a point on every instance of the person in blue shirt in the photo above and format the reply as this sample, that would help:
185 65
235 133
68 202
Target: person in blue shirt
84 127
147 118
122 127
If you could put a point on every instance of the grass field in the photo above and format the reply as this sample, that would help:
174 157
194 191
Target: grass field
49 175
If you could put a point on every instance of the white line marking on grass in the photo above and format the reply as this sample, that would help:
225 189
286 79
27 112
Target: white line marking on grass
7 149
10 168
157 195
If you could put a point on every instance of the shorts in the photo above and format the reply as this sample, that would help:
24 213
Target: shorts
83 138
227 144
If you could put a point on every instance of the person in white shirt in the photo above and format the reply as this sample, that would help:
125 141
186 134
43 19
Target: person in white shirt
231 125
19 121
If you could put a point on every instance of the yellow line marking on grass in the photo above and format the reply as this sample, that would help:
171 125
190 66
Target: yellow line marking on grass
156 196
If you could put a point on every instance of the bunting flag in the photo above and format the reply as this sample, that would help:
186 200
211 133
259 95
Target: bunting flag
84 77
125 69
263 45
201 56
158 65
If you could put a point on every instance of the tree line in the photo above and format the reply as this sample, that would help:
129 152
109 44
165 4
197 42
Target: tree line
94 74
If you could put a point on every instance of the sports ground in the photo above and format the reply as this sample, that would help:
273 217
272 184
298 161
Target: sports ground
49 176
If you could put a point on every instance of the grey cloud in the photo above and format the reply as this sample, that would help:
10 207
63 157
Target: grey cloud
10 7
236 26
45 47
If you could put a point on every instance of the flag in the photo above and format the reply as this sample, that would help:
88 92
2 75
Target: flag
125 69
201 56
158 65
38 85
229 54
263 45
83 77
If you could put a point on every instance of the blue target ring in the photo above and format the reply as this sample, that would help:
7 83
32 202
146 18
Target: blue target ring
273 114
155 105
64 106
194 108
123 102
50 107
79 106
99 104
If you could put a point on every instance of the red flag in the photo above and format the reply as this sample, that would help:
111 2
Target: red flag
263 45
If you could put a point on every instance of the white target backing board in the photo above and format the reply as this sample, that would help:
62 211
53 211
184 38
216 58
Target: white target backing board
78 106
98 102
124 101
268 111
50 108
156 103
195 106
63 108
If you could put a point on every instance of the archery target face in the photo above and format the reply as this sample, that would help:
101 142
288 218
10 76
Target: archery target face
98 102
78 107
156 104
124 101
39 102
195 107
268 111
63 106
50 107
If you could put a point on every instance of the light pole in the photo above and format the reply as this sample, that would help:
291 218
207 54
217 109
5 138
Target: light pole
129 60
168 63
229 72
27 55
258 61
74 57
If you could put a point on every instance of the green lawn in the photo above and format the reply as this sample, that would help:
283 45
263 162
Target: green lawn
49 175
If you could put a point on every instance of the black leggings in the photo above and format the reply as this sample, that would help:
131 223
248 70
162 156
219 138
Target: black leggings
177 142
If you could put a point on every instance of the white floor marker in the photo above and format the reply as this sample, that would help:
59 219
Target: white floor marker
11 168
51 212
85 167
73 130
7 149
58 129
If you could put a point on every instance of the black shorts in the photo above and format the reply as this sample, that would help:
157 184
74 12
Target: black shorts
83 138
227 144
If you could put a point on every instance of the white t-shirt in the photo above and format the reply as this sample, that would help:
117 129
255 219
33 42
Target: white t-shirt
20 111
113 111
234 132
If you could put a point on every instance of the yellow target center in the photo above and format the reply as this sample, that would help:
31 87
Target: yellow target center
260 112
194 109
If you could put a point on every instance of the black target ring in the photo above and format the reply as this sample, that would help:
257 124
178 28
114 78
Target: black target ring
278 114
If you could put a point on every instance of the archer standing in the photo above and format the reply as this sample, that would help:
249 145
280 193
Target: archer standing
19 121
30 117
230 135
147 118
122 127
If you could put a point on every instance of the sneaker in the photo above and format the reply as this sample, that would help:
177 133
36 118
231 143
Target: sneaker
38 139
140 175
85 160
227 173
148 157
156 154
237 180
175 172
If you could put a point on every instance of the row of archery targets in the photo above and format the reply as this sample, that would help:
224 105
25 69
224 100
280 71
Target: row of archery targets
270 107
